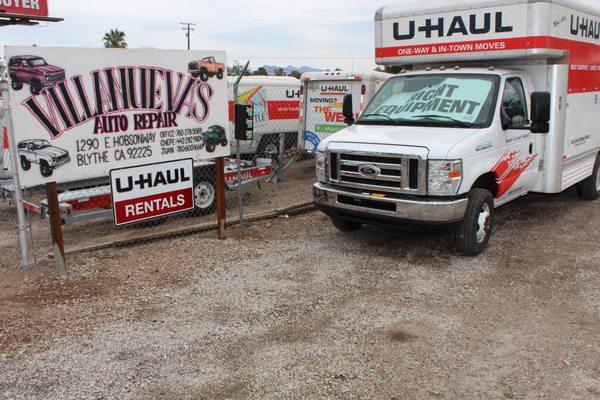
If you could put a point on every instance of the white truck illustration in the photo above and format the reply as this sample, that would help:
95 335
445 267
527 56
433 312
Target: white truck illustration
43 153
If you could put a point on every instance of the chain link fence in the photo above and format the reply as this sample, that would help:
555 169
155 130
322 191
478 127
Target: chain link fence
277 170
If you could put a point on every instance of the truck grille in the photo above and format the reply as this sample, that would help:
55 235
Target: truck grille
56 78
396 174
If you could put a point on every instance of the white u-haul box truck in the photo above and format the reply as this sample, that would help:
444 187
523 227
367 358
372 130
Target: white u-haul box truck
503 99
276 101
322 94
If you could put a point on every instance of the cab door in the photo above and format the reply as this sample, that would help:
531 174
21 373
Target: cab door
516 170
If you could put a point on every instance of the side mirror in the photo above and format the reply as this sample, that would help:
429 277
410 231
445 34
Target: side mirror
540 112
347 110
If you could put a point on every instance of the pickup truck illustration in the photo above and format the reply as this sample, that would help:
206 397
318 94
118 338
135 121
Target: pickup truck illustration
213 136
34 71
41 152
206 68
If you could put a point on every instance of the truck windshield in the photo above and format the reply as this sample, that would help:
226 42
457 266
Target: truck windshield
37 62
447 100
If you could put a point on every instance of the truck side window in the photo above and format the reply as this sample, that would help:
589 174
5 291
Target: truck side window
514 102
14 62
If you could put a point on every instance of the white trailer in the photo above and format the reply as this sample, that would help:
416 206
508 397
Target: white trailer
276 101
322 94
502 99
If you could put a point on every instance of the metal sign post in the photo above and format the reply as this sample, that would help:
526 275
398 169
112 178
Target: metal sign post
221 210
237 150
14 165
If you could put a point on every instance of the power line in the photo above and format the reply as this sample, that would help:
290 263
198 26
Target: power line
188 29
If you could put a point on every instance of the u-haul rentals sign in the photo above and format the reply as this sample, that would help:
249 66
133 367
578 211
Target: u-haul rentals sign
149 191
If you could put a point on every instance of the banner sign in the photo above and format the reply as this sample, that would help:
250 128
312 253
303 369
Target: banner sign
78 113
148 191
25 7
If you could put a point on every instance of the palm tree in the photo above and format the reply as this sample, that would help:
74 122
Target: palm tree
114 39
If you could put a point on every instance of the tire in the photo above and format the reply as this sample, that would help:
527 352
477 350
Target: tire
25 163
224 142
210 146
220 74
205 192
34 88
45 169
16 85
204 74
344 225
476 228
590 187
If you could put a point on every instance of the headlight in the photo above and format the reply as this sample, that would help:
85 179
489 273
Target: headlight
321 166
444 177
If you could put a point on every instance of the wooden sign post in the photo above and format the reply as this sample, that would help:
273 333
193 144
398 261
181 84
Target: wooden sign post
58 244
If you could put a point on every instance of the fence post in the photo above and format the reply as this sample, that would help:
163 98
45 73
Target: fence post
58 244
221 210
237 149
14 166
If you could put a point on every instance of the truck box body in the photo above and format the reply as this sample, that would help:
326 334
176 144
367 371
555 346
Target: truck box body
556 41
322 96
276 103
501 98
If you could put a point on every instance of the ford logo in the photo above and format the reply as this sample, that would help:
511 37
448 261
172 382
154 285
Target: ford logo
368 170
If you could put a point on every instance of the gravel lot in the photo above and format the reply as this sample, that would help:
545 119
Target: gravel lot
290 308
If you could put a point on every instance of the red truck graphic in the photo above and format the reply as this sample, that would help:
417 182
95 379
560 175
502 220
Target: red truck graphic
206 68
34 71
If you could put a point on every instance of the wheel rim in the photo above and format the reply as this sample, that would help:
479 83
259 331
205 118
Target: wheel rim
271 150
204 195
598 180
483 222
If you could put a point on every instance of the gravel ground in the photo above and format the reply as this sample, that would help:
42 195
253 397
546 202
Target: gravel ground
290 308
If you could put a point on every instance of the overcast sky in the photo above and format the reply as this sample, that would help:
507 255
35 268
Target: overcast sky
314 32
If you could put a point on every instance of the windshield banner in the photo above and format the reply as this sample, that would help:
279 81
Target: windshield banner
460 99
78 113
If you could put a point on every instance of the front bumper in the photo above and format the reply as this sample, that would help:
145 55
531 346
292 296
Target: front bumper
363 205
62 162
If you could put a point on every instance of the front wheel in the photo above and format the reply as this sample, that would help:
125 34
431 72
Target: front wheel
16 85
210 146
590 187
35 87
220 74
204 75
45 169
224 142
475 229
344 225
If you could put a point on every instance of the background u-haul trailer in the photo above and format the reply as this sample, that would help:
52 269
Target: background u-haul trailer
322 96
276 101
556 41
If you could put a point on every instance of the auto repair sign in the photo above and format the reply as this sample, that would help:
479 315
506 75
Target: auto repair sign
25 7
79 113
150 191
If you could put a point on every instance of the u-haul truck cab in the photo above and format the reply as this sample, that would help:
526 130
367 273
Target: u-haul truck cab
322 94
503 98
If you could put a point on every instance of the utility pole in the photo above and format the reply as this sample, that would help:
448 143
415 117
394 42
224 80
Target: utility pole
188 28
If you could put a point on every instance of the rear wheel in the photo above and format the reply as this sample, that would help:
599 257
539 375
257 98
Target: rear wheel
590 187
205 194
25 163
220 74
344 225
475 229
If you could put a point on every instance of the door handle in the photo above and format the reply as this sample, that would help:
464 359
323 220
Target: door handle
530 148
